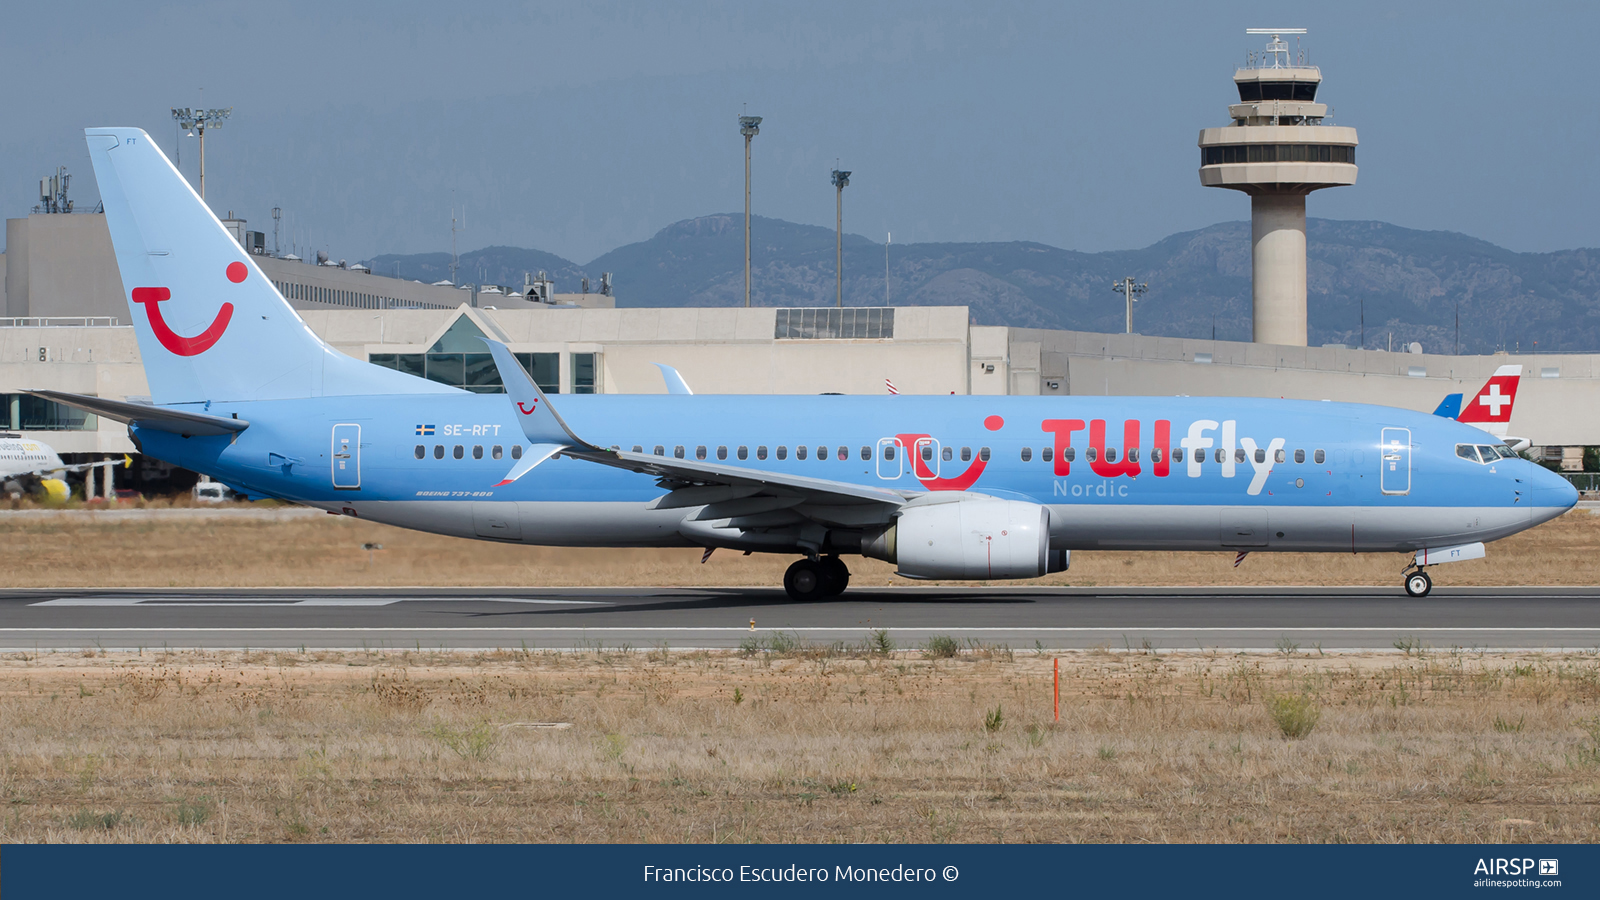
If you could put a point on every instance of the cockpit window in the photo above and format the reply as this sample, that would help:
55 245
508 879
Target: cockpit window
1484 453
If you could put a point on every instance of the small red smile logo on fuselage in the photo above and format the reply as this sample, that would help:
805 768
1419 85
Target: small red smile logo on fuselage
176 343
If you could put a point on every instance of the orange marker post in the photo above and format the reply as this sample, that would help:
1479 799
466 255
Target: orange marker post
1057 662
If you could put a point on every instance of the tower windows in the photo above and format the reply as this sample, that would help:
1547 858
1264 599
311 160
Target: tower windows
1240 153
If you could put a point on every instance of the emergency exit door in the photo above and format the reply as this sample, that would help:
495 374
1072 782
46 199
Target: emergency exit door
347 457
1394 455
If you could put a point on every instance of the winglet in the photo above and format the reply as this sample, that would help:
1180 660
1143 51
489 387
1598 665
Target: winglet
675 382
534 455
539 420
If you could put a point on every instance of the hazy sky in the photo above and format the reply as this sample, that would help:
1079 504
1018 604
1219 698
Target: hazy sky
579 127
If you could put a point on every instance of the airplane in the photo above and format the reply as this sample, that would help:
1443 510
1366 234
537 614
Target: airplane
944 487
1490 409
29 466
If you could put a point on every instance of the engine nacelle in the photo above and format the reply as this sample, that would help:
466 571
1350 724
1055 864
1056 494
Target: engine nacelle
974 538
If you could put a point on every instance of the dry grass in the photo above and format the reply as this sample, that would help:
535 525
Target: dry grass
73 550
798 747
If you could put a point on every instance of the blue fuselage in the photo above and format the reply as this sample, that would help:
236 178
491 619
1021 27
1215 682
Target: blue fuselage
1115 472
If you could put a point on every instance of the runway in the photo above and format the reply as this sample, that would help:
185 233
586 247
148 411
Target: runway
1023 617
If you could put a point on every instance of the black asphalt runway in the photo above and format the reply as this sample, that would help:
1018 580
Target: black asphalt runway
1022 617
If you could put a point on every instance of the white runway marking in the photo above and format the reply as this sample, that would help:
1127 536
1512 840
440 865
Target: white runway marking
292 601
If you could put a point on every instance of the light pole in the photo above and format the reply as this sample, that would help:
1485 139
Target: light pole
1127 287
841 180
195 122
749 126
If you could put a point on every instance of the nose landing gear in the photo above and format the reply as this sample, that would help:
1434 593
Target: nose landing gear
1418 584
816 579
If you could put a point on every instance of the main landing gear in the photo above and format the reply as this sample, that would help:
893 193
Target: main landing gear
816 579
1418 584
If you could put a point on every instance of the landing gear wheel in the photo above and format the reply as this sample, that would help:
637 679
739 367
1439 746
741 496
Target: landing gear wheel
836 574
806 580
1418 584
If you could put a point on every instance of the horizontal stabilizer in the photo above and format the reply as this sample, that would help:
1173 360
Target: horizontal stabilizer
531 457
144 415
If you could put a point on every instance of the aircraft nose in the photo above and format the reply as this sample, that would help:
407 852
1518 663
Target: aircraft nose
1552 495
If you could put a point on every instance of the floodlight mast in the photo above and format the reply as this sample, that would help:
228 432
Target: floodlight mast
195 122
1127 287
749 126
841 180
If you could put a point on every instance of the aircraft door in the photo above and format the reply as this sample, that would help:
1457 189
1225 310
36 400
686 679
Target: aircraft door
346 461
891 458
1394 455
926 463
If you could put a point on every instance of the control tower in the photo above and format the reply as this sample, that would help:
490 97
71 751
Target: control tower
1277 150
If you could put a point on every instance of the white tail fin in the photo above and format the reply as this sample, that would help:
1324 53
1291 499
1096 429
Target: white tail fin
211 326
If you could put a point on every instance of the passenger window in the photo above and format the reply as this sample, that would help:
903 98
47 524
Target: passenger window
1261 455
927 452
966 454
1046 453
722 453
799 452
1319 457
1027 454
1133 455
1238 455
844 452
458 452
660 450
1155 454
1277 455
1177 455
700 452
947 454
761 451
421 451
477 451
1089 454
983 453
866 453
888 452
822 453
1111 454
1300 456
1221 454
497 452
438 451
783 452
1069 453
638 448
744 452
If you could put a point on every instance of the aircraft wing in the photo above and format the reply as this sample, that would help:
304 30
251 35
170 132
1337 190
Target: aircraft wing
145 415
691 482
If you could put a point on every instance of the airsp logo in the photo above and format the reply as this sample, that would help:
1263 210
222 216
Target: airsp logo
1549 867
1501 866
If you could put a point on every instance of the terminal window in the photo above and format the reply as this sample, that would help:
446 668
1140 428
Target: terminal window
20 412
832 323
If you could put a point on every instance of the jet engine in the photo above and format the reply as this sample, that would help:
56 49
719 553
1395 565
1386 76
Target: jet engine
969 538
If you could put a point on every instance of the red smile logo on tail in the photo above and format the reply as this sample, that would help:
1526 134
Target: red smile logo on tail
151 297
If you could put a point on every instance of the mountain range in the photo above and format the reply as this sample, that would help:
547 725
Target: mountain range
1406 285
